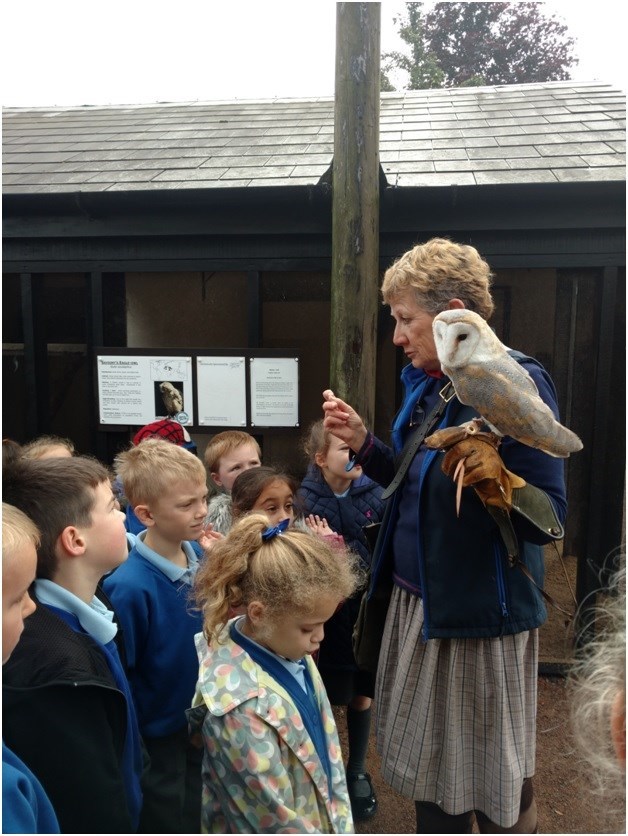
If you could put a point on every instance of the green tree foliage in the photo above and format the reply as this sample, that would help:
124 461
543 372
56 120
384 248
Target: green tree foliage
471 44
421 64
385 84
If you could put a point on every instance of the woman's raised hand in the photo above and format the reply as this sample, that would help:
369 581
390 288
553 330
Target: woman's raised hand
343 421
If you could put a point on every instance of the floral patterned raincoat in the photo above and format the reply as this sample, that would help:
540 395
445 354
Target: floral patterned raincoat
261 771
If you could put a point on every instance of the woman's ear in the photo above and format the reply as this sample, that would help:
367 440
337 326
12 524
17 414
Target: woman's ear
455 304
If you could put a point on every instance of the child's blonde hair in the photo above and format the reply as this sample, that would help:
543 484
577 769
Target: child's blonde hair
285 572
150 468
596 679
38 447
224 443
17 529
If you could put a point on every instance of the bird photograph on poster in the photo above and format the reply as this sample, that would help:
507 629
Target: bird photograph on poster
168 398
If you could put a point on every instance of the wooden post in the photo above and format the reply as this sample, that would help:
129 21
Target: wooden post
355 207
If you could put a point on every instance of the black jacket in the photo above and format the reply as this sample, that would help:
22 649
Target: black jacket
65 717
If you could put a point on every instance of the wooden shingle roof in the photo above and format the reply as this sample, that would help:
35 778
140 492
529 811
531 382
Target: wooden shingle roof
529 133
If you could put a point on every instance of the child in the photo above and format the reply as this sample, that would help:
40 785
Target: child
349 501
166 486
272 761
226 456
25 805
265 490
271 492
48 447
67 708
174 432
168 430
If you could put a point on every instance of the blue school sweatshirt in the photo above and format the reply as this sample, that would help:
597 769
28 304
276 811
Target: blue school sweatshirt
159 622
25 806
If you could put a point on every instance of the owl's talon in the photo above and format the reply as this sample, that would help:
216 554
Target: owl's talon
459 479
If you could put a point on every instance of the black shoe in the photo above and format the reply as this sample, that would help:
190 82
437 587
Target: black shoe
362 795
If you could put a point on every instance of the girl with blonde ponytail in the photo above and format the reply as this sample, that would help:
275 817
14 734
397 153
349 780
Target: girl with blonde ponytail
272 760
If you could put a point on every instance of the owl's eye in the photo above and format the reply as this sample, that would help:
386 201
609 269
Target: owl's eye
461 337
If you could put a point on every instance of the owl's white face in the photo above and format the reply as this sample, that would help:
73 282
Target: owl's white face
457 336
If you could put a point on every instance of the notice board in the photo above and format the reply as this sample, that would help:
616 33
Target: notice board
247 389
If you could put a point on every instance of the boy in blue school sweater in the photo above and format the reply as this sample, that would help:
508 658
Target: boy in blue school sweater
67 707
166 486
25 806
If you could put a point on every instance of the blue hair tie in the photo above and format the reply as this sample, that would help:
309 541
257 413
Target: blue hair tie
274 530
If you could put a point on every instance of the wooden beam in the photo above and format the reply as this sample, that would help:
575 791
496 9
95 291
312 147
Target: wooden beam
355 206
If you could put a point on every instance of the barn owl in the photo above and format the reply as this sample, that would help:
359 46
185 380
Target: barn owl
487 378
172 397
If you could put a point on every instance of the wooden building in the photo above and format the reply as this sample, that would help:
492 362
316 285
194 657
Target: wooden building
208 225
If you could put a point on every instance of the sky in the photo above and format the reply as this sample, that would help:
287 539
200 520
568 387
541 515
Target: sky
75 52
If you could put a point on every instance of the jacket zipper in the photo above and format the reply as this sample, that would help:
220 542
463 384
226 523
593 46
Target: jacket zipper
501 585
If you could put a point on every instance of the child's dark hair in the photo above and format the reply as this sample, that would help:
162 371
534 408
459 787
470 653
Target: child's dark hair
286 572
249 485
54 493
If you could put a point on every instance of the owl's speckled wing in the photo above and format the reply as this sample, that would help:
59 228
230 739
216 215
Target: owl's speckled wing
507 398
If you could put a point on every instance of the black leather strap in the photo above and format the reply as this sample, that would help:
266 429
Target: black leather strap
414 441
502 518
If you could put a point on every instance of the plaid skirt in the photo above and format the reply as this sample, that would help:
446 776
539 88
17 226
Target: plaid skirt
456 718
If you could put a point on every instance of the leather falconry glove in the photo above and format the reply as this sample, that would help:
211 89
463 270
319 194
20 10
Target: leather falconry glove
471 460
